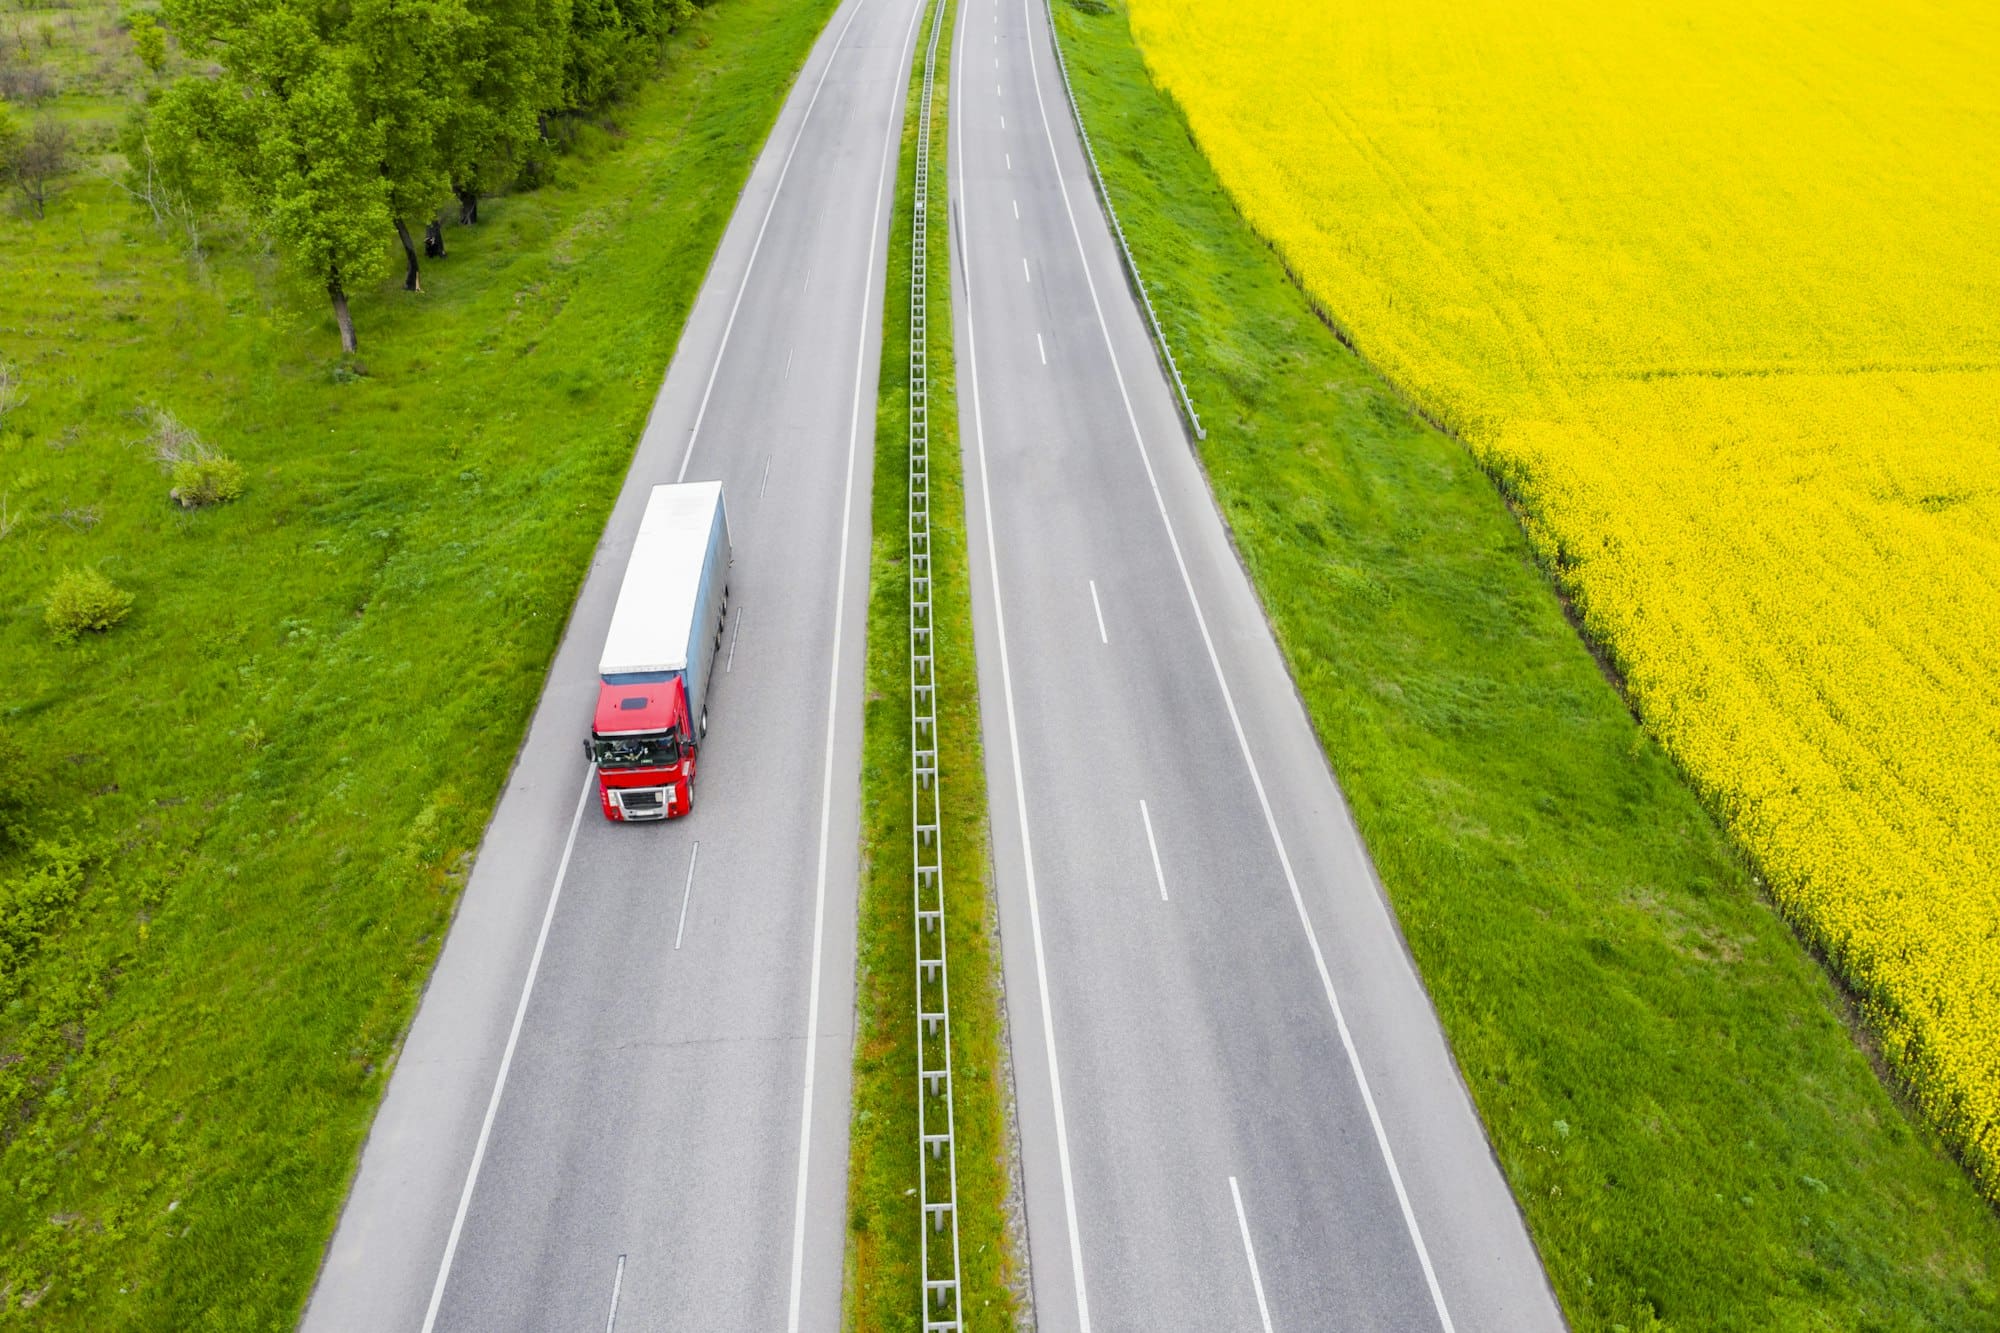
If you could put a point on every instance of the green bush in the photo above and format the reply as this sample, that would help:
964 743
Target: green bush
209 479
84 599
201 476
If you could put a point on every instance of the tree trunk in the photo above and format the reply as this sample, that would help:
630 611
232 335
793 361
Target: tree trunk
468 205
410 283
434 239
340 312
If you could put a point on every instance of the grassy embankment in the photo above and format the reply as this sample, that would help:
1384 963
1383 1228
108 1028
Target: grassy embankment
1672 1085
884 1290
274 770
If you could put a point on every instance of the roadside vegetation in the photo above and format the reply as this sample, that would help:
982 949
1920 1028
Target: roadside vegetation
1682 1100
884 1282
1737 493
272 620
326 127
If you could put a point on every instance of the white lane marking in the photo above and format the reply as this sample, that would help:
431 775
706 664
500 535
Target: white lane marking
807 283
1014 752
1017 209
1250 1253
1236 721
771 207
506 1059
1010 161
1145 817
1025 275
1039 348
735 633
617 1285
687 893
1003 122
1098 607
767 477
788 363
900 94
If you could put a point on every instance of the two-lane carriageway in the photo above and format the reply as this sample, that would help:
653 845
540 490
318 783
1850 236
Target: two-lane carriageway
624 1099
1237 1110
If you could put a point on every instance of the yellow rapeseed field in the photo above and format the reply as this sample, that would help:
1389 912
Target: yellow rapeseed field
1715 290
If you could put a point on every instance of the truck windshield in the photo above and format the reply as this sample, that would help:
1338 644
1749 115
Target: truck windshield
636 751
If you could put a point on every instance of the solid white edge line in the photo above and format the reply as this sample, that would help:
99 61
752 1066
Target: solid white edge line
1097 607
889 140
617 1285
506 1060
1014 737
1146 817
687 893
770 207
1250 1253
1235 721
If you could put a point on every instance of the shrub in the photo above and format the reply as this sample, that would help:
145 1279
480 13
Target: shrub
206 481
200 475
84 600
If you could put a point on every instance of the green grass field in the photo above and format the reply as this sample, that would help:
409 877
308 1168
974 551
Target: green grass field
1673 1086
884 1290
256 796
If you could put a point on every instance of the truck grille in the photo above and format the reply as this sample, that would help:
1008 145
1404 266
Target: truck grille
649 804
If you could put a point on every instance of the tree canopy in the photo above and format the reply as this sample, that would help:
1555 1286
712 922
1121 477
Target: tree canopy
333 126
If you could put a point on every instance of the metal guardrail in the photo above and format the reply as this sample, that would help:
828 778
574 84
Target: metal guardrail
936 1144
1111 211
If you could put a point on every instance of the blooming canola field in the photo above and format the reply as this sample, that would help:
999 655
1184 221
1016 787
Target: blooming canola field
1714 291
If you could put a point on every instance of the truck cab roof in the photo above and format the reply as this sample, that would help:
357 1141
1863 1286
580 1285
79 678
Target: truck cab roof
625 710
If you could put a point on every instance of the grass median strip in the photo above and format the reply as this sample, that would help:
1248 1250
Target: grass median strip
263 783
1672 1085
884 1287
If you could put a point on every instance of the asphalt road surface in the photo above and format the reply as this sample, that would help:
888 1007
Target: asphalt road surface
626 1090
1237 1110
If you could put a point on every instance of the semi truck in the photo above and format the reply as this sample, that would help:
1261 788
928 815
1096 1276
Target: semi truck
659 655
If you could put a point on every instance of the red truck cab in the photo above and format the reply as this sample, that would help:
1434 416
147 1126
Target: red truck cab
644 748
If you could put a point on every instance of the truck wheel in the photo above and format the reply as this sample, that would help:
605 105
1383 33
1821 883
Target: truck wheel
704 727
687 804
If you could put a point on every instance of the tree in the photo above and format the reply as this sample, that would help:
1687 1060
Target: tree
149 39
164 171
409 78
282 127
510 63
36 159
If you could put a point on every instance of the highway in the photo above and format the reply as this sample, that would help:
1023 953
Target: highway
1237 1110
624 1098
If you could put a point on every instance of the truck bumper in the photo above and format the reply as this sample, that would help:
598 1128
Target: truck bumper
633 804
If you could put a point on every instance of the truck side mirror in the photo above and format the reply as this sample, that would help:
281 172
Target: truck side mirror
589 755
